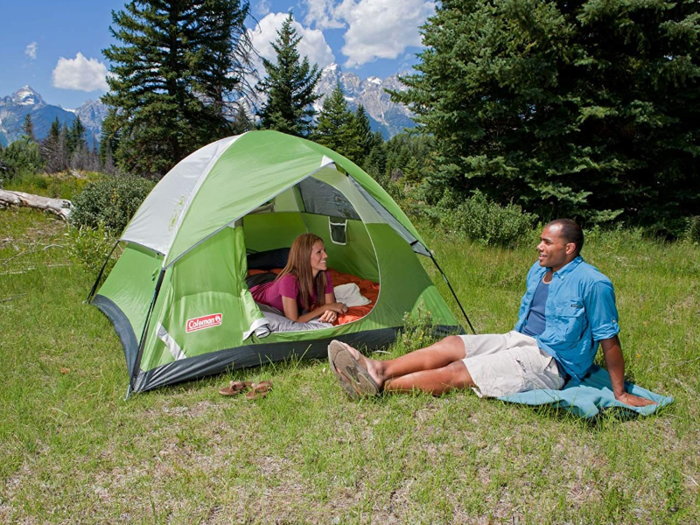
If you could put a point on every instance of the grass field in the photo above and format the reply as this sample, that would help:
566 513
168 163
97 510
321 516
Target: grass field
72 450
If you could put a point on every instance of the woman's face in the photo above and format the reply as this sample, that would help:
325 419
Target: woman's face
318 257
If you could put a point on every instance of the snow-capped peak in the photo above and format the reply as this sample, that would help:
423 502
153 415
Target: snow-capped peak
26 96
374 80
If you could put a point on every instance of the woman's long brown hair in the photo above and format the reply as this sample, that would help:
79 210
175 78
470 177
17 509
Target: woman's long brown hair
299 265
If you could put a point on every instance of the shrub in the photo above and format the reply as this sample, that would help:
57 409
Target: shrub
90 247
418 329
20 158
110 203
483 221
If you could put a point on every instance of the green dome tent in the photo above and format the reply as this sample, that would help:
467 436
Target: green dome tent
177 295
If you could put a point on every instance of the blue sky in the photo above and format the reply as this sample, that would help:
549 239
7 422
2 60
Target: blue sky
55 46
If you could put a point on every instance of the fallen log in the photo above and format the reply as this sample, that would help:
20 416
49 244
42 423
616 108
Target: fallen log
60 207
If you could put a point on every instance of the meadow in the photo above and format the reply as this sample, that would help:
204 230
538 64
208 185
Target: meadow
73 450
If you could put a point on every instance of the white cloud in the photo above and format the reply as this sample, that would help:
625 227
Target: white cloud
381 28
31 50
375 28
80 73
322 14
313 44
262 7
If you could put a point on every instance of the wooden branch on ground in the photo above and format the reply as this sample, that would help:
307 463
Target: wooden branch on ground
60 207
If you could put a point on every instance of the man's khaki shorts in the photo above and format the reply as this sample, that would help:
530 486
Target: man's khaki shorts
504 364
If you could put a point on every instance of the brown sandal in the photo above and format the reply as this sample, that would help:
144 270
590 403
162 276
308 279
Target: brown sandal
259 390
235 388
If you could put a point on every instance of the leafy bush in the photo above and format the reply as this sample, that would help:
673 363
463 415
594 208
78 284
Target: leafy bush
20 158
418 329
483 221
109 203
90 247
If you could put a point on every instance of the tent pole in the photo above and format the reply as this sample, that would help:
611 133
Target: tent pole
453 292
142 341
99 275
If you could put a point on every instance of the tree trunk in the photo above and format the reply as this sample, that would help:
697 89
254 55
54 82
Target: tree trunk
60 207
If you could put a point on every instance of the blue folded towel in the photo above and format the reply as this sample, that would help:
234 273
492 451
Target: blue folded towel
588 397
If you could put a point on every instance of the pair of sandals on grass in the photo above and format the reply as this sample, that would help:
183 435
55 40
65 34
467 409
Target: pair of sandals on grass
252 390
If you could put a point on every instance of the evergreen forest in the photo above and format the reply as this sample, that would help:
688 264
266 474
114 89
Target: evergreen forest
526 109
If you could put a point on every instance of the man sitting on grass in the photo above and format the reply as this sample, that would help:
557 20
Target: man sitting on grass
567 310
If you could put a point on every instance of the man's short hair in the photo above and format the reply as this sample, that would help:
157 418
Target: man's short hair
571 232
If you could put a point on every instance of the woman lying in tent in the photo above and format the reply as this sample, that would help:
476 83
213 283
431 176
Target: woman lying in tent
304 289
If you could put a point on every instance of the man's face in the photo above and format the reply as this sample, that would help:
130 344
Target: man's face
554 251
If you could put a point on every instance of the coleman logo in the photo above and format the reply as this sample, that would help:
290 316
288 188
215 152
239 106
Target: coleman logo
200 323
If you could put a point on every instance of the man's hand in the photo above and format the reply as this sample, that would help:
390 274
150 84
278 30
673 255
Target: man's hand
634 401
616 368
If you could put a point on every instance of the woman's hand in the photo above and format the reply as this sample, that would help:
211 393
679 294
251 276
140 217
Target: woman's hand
326 313
329 316
338 308
332 311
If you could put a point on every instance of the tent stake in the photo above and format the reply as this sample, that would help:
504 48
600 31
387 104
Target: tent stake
453 292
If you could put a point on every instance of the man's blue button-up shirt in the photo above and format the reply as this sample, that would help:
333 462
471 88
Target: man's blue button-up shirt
580 312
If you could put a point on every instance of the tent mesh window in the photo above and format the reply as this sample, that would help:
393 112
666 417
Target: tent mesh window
323 199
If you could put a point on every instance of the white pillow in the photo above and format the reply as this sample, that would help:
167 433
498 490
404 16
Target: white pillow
350 295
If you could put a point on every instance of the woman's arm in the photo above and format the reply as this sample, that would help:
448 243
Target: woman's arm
291 310
331 315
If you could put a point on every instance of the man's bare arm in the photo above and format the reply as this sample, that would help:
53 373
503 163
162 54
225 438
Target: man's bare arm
616 368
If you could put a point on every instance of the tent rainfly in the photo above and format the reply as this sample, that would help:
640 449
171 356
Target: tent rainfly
177 296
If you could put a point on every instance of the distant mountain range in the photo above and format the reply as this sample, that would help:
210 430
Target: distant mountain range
385 116
15 108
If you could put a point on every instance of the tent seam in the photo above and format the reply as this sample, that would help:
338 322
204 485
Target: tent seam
195 191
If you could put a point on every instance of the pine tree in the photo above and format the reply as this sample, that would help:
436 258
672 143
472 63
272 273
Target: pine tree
28 128
53 149
375 162
339 129
178 69
364 131
241 121
109 142
580 108
289 86
76 137
334 120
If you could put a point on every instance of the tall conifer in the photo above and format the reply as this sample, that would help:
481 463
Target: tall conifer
580 108
289 86
338 128
53 149
177 72
28 128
